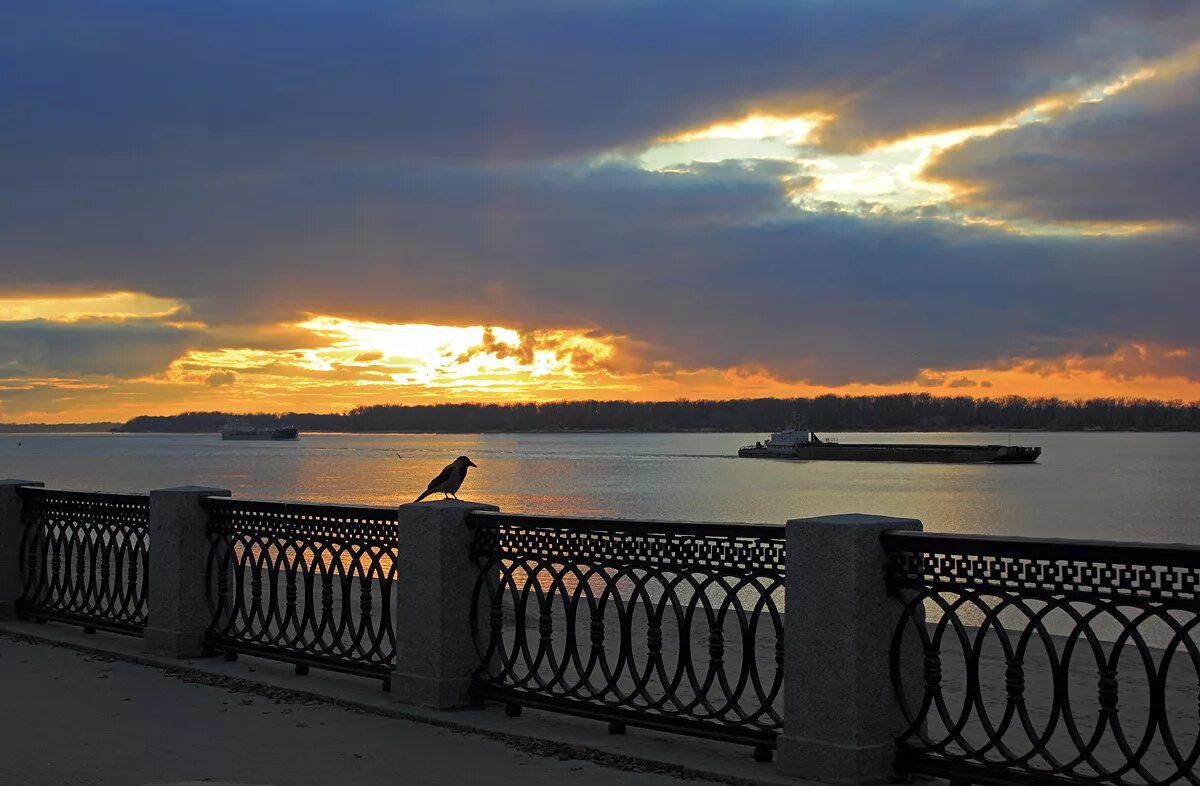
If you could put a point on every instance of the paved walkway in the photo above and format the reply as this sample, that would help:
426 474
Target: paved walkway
77 718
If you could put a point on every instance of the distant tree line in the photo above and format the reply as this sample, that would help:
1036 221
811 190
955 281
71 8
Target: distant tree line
192 422
48 428
899 412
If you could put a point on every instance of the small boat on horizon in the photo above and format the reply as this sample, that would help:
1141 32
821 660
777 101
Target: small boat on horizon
241 430
798 442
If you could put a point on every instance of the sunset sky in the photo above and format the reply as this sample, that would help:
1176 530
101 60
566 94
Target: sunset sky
311 205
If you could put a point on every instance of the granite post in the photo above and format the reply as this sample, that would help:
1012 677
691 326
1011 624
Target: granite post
435 654
10 545
179 609
840 710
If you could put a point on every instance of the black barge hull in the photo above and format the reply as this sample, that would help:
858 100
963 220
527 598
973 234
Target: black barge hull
287 432
949 454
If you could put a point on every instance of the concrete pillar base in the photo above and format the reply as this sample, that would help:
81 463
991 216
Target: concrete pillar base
840 707
11 531
179 604
435 653
831 763
433 693
174 643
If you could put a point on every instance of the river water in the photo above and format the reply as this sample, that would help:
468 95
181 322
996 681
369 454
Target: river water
1086 485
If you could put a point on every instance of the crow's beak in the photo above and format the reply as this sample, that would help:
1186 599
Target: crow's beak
472 464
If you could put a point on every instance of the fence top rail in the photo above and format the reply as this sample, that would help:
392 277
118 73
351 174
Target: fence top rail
1044 549
44 495
300 509
485 518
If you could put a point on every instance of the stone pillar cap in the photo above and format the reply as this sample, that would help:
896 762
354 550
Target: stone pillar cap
210 491
858 518
449 504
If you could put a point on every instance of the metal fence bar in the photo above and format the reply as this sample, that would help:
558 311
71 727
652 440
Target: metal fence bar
84 558
1048 661
306 584
666 625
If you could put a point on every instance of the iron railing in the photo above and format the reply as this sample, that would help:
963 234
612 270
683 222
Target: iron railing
669 626
84 558
306 584
1047 661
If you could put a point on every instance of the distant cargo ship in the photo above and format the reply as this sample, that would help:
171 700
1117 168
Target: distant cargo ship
798 442
240 430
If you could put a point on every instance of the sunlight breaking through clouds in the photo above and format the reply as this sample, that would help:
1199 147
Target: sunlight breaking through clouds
888 175
406 356
629 200
792 130
756 136
890 178
76 307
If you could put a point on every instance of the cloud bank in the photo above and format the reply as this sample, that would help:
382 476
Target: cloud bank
475 164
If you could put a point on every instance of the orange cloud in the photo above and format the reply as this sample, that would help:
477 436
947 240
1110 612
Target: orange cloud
343 363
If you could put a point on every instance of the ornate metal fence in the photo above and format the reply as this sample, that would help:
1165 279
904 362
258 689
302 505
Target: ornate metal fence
84 558
663 625
306 584
1047 661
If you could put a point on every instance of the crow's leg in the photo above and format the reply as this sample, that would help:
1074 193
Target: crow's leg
455 496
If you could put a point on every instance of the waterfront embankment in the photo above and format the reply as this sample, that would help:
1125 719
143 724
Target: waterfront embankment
120 716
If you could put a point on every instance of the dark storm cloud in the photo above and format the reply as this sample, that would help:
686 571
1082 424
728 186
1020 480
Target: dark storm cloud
37 348
242 87
711 271
388 161
1132 158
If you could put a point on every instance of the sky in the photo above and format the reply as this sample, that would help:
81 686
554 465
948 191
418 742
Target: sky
316 205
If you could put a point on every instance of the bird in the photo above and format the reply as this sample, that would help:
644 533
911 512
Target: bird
449 479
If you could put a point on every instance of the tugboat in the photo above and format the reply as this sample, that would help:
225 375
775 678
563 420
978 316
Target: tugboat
798 442
241 430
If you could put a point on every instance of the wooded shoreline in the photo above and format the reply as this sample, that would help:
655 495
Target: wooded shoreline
900 412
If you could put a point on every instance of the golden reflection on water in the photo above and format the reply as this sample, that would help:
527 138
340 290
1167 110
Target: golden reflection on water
563 580
561 583
362 561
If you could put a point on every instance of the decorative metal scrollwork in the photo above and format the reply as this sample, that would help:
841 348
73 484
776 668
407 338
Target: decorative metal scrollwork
664 625
1056 661
84 558
307 584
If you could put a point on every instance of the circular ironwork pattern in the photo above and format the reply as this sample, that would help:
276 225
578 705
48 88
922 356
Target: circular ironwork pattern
306 584
84 558
1050 662
669 626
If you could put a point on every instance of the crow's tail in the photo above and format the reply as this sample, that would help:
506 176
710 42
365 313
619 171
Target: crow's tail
424 494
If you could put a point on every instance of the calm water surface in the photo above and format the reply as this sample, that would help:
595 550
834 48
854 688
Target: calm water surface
1118 486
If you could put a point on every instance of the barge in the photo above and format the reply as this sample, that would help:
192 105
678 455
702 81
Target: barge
241 430
799 443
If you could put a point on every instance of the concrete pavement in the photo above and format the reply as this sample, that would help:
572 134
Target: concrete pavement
73 717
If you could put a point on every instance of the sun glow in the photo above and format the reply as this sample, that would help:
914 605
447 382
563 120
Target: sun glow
418 359
427 349
355 363
792 130
756 136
